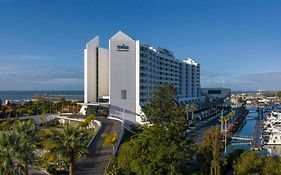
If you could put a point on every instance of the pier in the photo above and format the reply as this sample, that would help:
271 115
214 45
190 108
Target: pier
257 142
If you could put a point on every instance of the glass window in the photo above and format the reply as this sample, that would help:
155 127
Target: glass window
123 94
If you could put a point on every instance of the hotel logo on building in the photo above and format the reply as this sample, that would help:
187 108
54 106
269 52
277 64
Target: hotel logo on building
122 47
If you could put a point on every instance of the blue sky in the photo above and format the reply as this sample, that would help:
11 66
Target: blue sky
237 42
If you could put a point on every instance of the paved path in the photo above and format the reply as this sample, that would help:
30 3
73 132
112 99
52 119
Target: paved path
99 156
199 131
257 139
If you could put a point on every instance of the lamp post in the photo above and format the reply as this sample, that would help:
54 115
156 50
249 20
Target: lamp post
225 132
223 121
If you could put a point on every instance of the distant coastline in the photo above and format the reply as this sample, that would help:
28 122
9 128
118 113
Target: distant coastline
28 94
244 92
68 94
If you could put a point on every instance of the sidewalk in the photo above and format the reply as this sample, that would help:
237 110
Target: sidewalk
200 124
99 154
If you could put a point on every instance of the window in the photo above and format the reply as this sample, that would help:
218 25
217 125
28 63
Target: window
123 94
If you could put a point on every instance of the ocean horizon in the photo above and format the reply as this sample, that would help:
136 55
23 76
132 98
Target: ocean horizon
29 94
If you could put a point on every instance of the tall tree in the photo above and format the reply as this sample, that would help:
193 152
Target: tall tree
68 145
162 147
210 152
249 163
9 145
26 132
191 108
163 110
43 120
9 111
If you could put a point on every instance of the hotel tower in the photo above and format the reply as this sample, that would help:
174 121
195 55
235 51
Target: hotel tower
123 76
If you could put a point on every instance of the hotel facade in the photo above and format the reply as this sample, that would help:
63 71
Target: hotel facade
123 76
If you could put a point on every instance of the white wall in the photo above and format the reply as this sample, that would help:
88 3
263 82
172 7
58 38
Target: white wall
103 72
138 108
90 70
124 75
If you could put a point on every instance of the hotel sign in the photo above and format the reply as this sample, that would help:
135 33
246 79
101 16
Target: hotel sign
122 47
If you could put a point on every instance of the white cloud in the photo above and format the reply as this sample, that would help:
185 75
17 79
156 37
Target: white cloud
270 80
30 77
25 57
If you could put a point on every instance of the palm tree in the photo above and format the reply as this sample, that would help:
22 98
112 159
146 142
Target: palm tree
9 144
43 120
18 112
191 108
90 118
188 109
26 132
222 120
68 145
29 112
9 111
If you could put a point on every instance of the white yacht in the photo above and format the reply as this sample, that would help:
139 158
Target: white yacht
272 128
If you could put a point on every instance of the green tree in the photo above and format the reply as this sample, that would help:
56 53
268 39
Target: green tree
18 112
271 166
67 146
162 147
191 108
83 125
249 163
42 120
17 148
9 145
26 132
9 111
90 118
210 152
29 112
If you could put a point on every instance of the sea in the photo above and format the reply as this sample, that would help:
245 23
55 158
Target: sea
28 95
69 95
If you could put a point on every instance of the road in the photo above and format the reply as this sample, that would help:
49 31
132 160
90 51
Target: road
99 156
197 134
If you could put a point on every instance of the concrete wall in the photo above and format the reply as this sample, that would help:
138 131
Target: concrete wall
103 72
124 75
216 92
90 55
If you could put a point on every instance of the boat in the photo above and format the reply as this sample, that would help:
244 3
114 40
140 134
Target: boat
272 128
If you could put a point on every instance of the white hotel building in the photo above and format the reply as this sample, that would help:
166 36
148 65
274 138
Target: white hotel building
123 76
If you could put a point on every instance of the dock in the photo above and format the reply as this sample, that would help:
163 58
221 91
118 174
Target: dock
257 142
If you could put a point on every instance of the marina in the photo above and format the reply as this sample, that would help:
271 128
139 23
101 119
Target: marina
261 131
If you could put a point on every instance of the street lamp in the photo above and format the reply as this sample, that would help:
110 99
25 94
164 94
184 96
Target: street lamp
225 132
223 121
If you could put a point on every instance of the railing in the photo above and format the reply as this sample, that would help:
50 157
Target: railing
96 132
120 135
239 137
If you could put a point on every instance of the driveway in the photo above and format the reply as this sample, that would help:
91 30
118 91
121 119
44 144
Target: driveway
99 156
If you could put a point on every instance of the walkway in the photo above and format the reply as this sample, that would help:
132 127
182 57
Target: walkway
99 155
257 139
202 126
239 137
